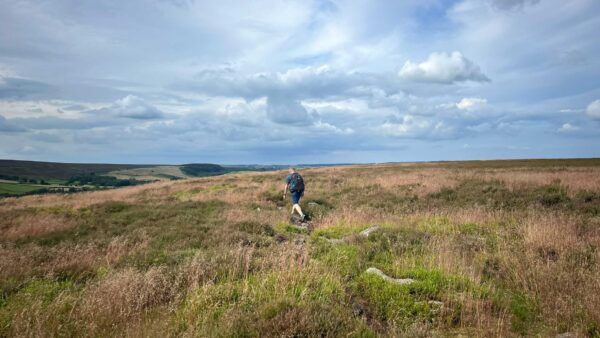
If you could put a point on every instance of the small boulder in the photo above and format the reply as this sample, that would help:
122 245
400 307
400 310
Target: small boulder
369 231
566 335
335 240
380 273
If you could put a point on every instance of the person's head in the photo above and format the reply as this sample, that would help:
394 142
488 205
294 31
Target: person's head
292 170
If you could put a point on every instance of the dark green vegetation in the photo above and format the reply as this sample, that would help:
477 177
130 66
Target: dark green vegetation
203 169
63 171
101 181
493 252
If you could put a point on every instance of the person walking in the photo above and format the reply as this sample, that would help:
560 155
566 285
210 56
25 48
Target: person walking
295 184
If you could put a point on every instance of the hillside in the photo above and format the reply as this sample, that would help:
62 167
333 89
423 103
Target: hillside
464 248
31 177
55 170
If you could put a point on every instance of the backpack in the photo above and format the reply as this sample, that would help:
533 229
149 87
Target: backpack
296 183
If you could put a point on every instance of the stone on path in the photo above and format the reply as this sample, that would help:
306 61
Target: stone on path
369 231
380 273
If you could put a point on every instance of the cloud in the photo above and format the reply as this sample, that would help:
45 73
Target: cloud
74 107
471 103
324 126
299 82
20 88
417 127
290 112
9 127
321 76
512 4
568 128
443 68
593 110
120 113
53 122
131 107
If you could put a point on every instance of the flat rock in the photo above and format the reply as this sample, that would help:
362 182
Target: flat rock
380 273
335 240
312 204
566 335
369 231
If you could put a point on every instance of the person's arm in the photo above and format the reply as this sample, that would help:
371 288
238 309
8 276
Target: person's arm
285 188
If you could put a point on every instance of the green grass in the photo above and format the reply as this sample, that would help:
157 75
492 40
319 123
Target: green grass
17 188
293 303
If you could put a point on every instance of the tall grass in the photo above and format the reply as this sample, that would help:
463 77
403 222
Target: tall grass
494 251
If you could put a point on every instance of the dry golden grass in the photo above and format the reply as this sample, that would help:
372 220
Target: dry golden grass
33 225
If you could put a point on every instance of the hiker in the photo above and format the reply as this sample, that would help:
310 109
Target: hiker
295 183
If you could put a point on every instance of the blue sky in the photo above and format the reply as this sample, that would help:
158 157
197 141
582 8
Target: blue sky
305 81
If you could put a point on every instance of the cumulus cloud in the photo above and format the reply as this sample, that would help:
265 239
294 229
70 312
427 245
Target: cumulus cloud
593 110
419 127
299 83
471 103
443 68
131 107
324 126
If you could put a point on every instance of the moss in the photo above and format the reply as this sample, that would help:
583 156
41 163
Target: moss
392 302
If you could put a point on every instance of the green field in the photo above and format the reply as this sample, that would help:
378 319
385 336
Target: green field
17 189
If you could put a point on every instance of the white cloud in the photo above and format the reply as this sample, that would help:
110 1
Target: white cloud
443 68
471 103
568 128
324 126
593 110
411 126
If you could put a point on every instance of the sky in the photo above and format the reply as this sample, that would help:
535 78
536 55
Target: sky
287 82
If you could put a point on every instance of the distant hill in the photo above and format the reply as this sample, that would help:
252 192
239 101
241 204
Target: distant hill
18 170
203 169
55 170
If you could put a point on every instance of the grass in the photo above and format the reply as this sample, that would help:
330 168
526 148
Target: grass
495 248
17 188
